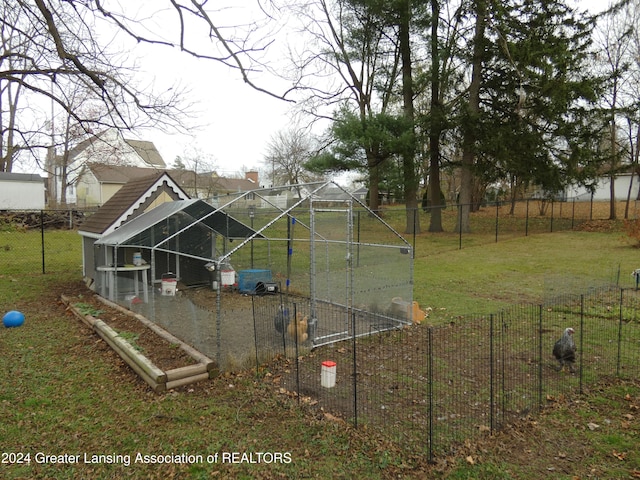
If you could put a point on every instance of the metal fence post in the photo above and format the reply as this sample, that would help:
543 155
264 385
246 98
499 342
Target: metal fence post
430 389
540 388
42 238
581 337
619 360
492 406
459 226
354 370
497 219
255 333
295 320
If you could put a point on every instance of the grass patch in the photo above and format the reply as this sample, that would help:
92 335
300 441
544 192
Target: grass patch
131 338
65 392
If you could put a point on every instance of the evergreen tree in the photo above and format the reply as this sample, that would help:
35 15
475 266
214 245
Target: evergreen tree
535 119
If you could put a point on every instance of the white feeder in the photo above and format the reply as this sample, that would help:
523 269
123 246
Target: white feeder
169 284
328 374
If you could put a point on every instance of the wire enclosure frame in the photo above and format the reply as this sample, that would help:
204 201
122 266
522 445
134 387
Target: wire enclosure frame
315 241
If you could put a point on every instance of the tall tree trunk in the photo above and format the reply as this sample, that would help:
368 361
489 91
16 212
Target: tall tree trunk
614 165
374 183
409 167
469 127
9 148
435 129
64 167
633 154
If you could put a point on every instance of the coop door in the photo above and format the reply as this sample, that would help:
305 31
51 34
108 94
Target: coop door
331 274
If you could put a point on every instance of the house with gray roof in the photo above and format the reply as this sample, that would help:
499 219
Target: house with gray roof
21 191
98 166
99 182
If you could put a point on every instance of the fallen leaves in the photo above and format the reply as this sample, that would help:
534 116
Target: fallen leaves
619 455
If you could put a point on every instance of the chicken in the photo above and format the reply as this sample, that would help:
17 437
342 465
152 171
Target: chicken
565 349
298 330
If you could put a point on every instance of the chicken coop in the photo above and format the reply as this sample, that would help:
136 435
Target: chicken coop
195 266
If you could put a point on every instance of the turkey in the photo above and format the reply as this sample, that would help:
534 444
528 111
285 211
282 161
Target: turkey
565 349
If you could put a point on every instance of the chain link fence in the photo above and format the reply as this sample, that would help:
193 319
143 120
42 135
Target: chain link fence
23 233
42 241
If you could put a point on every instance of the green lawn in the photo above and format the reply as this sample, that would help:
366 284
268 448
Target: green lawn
64 393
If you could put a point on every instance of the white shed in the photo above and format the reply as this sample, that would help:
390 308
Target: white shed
21 191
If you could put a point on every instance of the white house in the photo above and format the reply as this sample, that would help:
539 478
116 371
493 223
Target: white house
603 189
108 149
21 191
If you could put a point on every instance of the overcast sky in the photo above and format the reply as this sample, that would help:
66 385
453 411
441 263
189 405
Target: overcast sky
238 122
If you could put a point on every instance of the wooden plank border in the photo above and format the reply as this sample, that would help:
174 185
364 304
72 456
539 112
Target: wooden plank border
157 379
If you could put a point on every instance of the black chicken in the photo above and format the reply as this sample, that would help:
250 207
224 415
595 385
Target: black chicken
565 349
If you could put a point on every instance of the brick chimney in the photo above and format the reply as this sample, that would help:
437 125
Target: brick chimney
252 176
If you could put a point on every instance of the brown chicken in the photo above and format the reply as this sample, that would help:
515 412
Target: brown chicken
301 325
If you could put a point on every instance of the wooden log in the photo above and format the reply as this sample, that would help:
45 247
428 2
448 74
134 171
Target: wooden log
88 320
140 364
156 386
188 371
187 381
188 349
150 370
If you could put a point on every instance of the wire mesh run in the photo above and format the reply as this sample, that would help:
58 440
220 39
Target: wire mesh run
430 388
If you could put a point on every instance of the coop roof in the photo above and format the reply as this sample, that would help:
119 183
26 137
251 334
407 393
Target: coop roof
131 200
170 219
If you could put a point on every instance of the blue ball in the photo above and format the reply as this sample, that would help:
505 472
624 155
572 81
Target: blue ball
13 318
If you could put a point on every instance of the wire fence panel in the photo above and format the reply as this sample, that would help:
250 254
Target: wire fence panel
426 388
23 233
430 388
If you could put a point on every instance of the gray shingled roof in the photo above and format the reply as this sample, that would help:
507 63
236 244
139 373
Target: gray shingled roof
21 177
119 173
147 151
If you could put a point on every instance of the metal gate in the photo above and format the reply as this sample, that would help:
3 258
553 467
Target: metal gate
331 260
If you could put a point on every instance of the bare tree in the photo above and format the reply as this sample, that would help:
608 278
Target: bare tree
615 59
350 62
69 43
197 169
287 153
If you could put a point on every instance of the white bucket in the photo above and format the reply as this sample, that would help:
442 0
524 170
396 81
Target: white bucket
137 259
328 374
228 277
169 285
